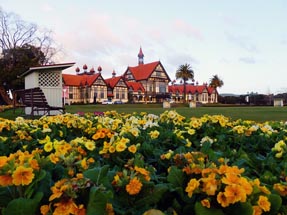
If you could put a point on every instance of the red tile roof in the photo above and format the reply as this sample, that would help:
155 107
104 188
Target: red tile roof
79 80
189 88
136 86
143 71
112 82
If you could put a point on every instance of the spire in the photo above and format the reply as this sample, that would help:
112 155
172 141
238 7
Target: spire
141 56
114 73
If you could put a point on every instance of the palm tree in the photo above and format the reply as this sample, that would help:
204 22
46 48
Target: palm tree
185 73
215 82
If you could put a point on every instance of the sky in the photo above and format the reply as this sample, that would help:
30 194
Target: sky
244 42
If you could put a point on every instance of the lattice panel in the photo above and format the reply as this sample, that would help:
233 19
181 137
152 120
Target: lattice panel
49 79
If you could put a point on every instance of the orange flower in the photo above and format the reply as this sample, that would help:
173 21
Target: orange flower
143 171
210 184
6 180
66 207
281 188
134 187
3 161
44 209
96 136
54 158
109 209
256 210
235 193
263 203
230 178
222 199
22 176
205 203
191 186
34 164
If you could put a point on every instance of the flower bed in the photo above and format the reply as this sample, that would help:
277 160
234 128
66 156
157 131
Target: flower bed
142 164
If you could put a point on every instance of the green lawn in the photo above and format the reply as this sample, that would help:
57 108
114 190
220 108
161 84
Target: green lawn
259 114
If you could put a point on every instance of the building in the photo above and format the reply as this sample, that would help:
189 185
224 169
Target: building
144 83
117 88
198 93
84 87
152 77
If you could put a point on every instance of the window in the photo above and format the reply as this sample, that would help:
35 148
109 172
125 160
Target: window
162 88
123 95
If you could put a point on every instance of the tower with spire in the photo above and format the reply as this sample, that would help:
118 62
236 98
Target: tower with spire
141 56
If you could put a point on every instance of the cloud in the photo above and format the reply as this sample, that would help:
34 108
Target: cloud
242 42
47 7
183 27
247 60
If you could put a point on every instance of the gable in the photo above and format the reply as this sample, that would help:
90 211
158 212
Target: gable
99 81
129 76
160 73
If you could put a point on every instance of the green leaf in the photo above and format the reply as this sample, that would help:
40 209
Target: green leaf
175 177
276 203
200 210
5 196
97 202
155 196
31 188
240 209
98 175
22 206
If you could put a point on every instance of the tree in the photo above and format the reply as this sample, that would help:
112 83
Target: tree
16 61
22 45
216 82
14 33
185 73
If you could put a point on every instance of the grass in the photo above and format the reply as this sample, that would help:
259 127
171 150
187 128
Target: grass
259 114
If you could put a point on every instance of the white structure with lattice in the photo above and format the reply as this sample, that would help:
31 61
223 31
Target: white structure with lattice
49 79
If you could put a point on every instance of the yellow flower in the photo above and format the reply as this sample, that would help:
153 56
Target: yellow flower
84 163
188 143
132 148
90 145
134 132
22 175
263 203
46 128
46 140
155 212
134 186
112 149
154 134
191 131
191 186
121 146
48 147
